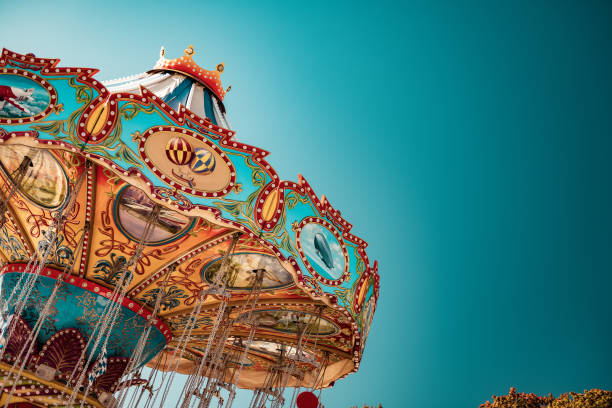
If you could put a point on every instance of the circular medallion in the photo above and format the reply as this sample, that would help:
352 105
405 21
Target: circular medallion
307 399
132 209
44 182
240 275
323 251
287 321
204 171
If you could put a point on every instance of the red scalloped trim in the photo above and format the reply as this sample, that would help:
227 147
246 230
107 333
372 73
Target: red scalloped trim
180 117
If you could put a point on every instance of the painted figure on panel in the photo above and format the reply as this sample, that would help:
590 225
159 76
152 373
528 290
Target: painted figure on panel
21 97
323 251
241 269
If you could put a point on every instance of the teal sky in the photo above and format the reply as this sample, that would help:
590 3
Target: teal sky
468 142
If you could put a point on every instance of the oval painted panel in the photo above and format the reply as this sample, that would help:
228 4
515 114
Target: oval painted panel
204 171
240 275
97 119
270 205
246 362
323 251
45 183
132 209
21 97
363 290
366 322
286 321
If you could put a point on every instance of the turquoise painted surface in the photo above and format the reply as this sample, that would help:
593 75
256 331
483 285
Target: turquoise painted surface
77 308
484 128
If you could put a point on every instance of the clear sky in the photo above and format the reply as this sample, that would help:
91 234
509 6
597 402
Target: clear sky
469 142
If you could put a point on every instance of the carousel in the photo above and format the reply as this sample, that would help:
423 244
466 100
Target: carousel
139 239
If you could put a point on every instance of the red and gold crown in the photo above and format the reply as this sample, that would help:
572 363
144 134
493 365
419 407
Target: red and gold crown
187 66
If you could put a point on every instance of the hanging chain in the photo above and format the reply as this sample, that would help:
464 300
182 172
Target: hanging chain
16 178
30 274
126 278
136 359
218 287
31 340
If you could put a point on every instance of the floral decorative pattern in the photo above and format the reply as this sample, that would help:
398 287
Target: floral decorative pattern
169 299
111 270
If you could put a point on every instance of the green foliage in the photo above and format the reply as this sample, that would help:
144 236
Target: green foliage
594 398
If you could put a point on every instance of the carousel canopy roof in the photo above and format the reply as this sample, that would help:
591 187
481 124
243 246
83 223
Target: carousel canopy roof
187 66
162 139
180 82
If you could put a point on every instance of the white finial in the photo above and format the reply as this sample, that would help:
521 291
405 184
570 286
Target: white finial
161 60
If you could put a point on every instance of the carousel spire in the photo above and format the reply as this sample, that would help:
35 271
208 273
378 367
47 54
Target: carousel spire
187 66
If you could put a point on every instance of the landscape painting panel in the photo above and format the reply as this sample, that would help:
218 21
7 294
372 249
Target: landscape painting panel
44 182
240 273
133 211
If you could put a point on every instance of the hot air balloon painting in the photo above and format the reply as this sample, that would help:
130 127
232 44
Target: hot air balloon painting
179 151
203 161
